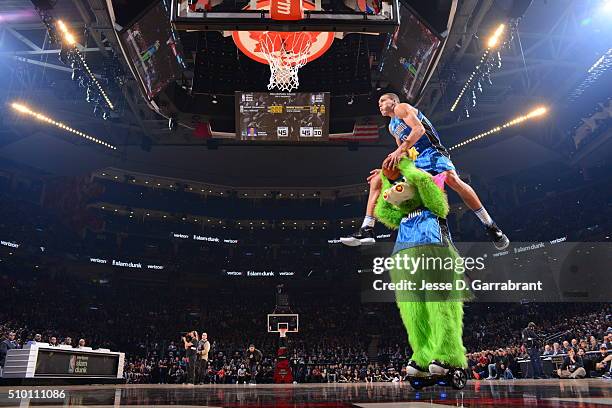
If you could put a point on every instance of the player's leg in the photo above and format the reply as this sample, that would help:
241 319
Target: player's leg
365 235
470 198
435 163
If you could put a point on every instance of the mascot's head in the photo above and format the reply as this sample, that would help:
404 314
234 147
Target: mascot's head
404 183
406 189
400 190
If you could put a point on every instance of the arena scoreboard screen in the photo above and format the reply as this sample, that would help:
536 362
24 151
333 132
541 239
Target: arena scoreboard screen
282 116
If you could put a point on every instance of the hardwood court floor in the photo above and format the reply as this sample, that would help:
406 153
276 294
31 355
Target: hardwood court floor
515 393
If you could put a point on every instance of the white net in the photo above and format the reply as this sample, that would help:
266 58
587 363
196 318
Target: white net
286 53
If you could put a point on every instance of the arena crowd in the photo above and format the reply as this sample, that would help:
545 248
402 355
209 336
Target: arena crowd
337 342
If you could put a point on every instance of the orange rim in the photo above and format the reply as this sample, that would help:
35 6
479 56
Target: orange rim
262 4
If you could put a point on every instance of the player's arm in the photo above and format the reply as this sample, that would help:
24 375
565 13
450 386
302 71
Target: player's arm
409 115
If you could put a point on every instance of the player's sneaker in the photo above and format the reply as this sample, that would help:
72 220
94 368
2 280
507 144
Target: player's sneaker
413 370
500 240
438 368
365 236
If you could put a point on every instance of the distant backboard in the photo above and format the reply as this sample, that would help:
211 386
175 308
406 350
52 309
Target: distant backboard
276 321
361 16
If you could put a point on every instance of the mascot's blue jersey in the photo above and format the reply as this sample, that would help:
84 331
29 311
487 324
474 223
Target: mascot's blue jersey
430 140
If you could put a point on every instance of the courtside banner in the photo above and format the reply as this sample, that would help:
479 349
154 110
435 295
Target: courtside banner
545 271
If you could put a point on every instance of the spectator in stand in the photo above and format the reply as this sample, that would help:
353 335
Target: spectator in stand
221 376
177 373
572 367
482 364
557 349
242 372
7 344
493 364
67 341
503 366
575 345
548 351
601 362
608 338
513 365
566 347
172 350
53 341
593 345
81 343
37 339
162 367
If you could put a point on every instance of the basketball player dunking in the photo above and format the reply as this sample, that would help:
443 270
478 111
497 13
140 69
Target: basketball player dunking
411 128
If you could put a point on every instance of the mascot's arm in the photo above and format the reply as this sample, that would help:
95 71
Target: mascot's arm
386 213
433 198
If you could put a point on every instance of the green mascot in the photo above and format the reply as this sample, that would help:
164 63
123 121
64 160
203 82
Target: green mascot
414 203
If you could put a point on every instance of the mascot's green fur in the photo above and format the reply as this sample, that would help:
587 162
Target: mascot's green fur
433 320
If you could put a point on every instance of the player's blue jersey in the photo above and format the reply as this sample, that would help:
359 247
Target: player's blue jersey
430 139
421 227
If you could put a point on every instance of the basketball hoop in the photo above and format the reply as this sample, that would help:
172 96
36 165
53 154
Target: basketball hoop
282 331
286 53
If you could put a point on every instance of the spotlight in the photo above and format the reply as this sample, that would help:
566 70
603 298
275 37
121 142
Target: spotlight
494 39
214 99
27 111
68 37
491 44
534 113
70 40
95 80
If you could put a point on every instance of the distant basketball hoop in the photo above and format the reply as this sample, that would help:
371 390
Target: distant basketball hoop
285 52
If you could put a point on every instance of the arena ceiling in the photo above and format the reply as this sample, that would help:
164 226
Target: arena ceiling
550 64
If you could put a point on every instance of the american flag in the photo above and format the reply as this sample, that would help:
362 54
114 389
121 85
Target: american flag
362 132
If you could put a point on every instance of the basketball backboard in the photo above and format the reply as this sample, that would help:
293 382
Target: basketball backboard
282 320
360 16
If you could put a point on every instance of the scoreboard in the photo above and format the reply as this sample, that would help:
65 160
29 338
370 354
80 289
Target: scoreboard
282 116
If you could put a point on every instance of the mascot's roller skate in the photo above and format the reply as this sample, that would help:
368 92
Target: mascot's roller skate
414 203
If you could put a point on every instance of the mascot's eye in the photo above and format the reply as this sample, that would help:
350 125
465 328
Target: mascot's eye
399 188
